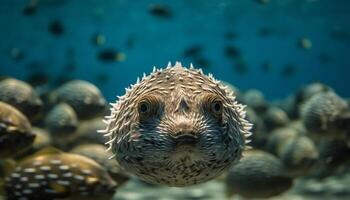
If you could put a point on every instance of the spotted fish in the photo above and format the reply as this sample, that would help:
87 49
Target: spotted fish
51 174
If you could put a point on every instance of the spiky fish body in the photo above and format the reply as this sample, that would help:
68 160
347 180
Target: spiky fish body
177 127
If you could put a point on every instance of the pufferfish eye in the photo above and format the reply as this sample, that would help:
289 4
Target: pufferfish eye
144 107
216 107
213 105
149 106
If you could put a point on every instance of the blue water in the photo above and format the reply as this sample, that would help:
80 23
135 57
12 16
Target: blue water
194 22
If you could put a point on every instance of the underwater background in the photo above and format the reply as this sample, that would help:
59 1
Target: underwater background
276 54
246 43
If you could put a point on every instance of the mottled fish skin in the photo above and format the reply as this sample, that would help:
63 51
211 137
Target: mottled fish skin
297 100
86 132
255 99
41 141
177 127
298 155
310 90
84 97
323 115
333 154
97 152
257 175
278 139
59 176
15 131
275 117
22 96
61 120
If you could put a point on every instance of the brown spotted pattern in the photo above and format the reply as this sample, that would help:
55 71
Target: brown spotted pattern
56 176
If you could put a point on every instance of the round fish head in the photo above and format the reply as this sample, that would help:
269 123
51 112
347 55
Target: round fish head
177 127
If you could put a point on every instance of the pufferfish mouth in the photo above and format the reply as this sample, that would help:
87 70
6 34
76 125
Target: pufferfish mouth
185 140
186 147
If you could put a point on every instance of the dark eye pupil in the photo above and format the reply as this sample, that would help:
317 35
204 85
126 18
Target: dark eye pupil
143 107
217 107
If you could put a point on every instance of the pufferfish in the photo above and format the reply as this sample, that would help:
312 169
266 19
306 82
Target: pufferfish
177 127
51 174
258 175
16 134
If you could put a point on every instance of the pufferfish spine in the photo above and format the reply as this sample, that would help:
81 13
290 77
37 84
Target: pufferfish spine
123 129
